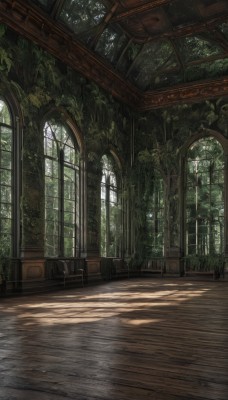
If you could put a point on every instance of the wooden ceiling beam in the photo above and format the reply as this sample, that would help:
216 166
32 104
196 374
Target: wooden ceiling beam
139 9
188 30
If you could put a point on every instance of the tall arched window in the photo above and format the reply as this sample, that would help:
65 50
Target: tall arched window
155 220
61 191
110 211
205 198
6 181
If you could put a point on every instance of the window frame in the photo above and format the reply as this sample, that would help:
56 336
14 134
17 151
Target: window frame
62 164
186 247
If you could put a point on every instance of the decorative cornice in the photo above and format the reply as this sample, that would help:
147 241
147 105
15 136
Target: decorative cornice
192 92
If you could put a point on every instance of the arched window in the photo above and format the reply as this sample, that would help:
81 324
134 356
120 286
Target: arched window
110 211
61 191
205 198
6 181
155 220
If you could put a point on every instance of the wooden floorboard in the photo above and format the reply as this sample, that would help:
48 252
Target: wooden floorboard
138 339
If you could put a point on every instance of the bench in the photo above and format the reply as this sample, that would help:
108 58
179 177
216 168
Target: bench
68 271
113 267
213 266
153 266
121 268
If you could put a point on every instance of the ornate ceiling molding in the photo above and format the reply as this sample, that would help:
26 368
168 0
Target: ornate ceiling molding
185 93
33 24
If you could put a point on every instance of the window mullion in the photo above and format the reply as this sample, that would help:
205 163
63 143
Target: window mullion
61 200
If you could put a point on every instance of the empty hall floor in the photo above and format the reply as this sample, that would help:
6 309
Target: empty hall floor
137 339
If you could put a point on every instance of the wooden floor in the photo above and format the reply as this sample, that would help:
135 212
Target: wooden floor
139 339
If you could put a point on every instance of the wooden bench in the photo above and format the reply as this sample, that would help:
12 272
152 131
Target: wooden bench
121 268
213 266
113 267
68 271
153 266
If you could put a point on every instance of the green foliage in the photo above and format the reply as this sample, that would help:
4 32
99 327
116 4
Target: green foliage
5 61
207 263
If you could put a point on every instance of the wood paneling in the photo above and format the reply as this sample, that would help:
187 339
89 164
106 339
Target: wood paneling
157 339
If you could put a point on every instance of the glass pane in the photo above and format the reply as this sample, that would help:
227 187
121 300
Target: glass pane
111 43
5 117
128 57
51 168
194 48
5 210
69 241
5 160
211 69
224 29
6 239
69 184
6 195
69 154
166 79
52 191
154 56
5 180
6 138
81 15
50 147
52 245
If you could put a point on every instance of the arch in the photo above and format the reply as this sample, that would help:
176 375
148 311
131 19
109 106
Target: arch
59 114
203 133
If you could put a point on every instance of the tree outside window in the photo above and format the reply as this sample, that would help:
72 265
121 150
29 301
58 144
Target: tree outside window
110 211
155 220
6 189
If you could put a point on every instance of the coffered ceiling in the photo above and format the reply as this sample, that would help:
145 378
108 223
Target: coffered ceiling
145 53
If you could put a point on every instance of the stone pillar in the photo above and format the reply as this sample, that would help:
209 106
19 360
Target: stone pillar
93 220
32 202
173 251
